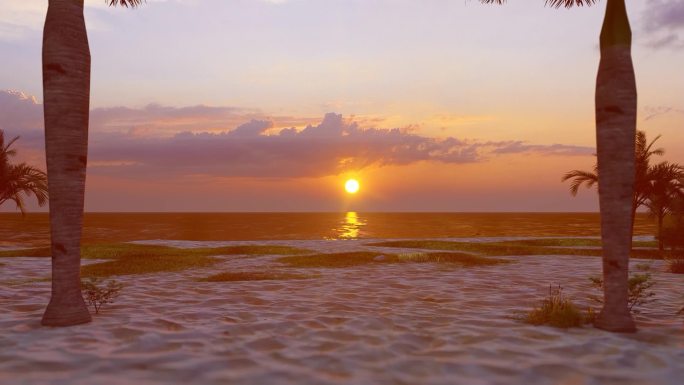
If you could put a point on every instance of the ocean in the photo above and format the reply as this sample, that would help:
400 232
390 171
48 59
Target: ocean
117 227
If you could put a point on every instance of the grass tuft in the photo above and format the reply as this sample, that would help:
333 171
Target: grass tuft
558 311
239 276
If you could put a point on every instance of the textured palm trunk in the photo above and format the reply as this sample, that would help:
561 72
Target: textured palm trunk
616 103
66 94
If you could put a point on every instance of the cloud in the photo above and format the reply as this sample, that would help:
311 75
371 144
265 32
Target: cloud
158 141
20 18
653 112
519 147
662 20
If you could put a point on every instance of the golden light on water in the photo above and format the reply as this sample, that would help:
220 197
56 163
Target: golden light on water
352 186
351 226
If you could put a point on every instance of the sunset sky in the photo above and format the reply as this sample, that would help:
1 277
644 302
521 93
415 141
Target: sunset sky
258 105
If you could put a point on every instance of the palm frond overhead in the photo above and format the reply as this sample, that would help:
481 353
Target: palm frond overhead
569 3
552 3
124 3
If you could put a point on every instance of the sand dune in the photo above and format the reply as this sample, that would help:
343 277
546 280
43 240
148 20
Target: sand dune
384 324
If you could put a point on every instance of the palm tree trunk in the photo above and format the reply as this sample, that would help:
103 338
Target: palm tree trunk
66 94
616 102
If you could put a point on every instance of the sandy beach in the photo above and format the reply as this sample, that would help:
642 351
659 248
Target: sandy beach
385 324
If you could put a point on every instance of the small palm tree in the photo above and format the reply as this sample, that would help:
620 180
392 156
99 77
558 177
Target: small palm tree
642 179
665 189
17 180
66 105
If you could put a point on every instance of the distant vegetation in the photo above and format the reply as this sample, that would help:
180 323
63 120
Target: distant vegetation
19 180
657 187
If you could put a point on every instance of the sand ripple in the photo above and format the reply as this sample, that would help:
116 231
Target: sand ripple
388 324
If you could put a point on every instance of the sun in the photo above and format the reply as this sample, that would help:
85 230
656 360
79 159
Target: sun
351 186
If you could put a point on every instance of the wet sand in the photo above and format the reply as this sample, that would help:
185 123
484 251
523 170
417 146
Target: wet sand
379 324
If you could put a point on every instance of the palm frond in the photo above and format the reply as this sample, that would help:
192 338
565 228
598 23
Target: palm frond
580 178
552 3
5 148
19 180
647 150
569 3
124 3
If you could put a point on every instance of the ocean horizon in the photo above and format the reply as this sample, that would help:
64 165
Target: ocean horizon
99 227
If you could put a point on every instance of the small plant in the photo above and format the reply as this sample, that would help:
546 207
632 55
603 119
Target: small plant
639 294
414 257
675 265
96 293
643 266
556 310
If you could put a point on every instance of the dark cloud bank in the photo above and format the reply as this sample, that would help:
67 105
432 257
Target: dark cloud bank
140 143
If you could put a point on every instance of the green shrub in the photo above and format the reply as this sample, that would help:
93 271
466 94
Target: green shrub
638 289
556 310
673 234
675 265
97 294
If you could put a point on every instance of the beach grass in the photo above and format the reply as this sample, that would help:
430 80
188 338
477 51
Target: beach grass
341 260
240 276
146 264
557 310
31 252
132 258
121 250
505 248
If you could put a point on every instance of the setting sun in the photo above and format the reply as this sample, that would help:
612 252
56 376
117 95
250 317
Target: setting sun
352 186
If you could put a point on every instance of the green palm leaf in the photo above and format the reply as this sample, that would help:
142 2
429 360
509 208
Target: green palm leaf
125 3
19 180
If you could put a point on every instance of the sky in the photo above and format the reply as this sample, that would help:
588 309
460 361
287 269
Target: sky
270 105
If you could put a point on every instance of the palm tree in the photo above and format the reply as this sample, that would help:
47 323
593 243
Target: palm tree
21 179
615 103
66 95
665 188
642 179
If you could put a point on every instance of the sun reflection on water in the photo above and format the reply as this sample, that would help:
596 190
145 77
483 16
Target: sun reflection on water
351 226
